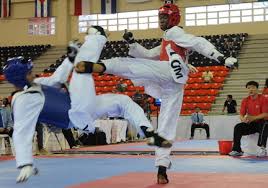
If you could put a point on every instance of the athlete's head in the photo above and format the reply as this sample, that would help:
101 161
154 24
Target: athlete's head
18 71
252 87
169 16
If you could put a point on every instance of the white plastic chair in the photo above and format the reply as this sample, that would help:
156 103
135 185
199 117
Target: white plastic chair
3 149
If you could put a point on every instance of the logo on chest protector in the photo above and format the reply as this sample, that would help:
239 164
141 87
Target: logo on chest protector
176 66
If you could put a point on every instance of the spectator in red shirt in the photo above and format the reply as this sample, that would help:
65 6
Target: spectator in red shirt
265 89
254 116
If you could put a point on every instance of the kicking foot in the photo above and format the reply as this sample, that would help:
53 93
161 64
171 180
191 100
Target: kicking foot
153 139
159 141
89 67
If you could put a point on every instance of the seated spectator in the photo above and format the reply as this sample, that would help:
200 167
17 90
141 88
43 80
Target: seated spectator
198 122
6 122
254 119
146 107
207 76
230 104
138 97
6 103
121 87
265 89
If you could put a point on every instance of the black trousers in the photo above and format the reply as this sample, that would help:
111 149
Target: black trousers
203 126
242 129
39 135
69 137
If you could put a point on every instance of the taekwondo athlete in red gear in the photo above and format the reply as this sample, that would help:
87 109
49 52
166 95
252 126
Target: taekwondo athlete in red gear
163 71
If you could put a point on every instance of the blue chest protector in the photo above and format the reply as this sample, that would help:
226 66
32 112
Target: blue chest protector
56 107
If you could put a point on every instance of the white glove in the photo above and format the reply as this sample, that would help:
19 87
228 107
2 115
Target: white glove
231 62
192 69
26 172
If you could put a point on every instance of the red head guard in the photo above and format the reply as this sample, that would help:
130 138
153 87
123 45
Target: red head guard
173 13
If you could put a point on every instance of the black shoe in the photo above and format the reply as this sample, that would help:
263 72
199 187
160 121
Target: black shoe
159 141
162 179
153 139
162 175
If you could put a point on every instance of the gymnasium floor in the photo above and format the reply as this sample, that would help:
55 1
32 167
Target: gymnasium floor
196 164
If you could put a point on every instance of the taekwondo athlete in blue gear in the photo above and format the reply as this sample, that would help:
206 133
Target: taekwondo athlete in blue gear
30 99
30 102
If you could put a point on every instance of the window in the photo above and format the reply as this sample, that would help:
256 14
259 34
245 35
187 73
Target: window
258 18
143 20
120 21
212 21
212 15
228 13
246 12
234 19
223 20
190 22
201 16
112 28
112 22
234 13
190 16
42 26
122 27
247 19
201 22
223 14
258 11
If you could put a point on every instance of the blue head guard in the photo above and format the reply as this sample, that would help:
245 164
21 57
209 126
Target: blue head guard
16 69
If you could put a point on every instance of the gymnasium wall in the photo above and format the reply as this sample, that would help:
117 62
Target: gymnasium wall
14 30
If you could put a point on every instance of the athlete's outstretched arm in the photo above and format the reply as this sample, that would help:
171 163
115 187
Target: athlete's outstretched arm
199 44
59 76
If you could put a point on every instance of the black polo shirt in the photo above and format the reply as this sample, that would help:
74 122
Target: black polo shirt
230 106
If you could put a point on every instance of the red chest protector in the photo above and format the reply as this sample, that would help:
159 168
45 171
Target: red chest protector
179 50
